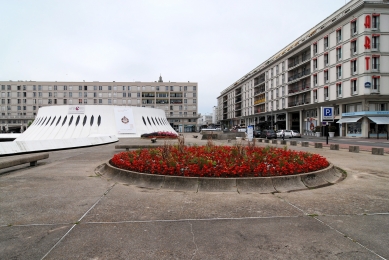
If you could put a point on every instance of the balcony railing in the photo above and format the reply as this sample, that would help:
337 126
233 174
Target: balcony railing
263 100
259 91
299 75
299 102
259 81
299 88
148 95
298 61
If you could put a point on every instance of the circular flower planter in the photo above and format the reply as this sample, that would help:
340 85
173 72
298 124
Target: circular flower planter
316 179
221 168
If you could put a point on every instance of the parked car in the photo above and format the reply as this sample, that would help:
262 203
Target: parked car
269 134
257 133
288 133
295 133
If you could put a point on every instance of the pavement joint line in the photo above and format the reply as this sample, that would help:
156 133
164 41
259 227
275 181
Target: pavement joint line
194 241
336 230
344 235
184 220
59 241
32 225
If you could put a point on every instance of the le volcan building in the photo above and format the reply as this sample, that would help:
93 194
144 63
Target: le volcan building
342 62
20 100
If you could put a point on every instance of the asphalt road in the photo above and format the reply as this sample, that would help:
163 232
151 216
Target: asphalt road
350 141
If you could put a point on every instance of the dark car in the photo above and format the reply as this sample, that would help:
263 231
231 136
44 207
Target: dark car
269 134
257 133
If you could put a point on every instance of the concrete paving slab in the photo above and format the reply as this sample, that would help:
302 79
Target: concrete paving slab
359 193
29 242
132 203
274 238
27 199
371 231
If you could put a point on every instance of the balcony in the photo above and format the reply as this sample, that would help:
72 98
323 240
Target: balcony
237 100
258 81
299 102
299 75
296 62
259 90
148 101
162 101
175 94
295 89
175 101
148 95
263 100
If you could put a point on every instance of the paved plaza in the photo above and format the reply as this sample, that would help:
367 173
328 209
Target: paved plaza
61 209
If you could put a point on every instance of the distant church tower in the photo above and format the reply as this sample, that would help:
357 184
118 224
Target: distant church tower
160 78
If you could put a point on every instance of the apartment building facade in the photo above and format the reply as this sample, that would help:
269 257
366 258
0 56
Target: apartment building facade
20 100
342 62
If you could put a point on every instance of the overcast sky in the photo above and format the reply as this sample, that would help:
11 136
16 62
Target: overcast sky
212 42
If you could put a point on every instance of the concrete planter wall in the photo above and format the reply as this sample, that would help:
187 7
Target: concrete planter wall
325 177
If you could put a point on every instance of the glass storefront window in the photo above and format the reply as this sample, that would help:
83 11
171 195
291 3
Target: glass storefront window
354 128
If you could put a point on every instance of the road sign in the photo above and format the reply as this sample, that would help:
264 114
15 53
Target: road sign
250 132
327 114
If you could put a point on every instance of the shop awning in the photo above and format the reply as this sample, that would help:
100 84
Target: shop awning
380 120
349 120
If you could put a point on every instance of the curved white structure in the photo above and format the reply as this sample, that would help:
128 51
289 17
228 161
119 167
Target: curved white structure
60 127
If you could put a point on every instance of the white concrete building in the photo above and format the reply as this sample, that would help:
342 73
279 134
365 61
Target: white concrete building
70 126
342 62
205 119
20 100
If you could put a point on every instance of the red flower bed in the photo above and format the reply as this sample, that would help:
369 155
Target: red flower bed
219 161
163 134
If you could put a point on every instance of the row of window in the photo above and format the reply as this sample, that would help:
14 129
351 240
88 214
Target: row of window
372 23
110 88
375 66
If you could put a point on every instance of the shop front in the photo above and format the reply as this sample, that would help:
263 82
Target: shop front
365 124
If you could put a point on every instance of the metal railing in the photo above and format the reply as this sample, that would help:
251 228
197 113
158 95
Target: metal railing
299 88
299 102
299 75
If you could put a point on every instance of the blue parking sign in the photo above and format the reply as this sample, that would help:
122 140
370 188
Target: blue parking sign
327 114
